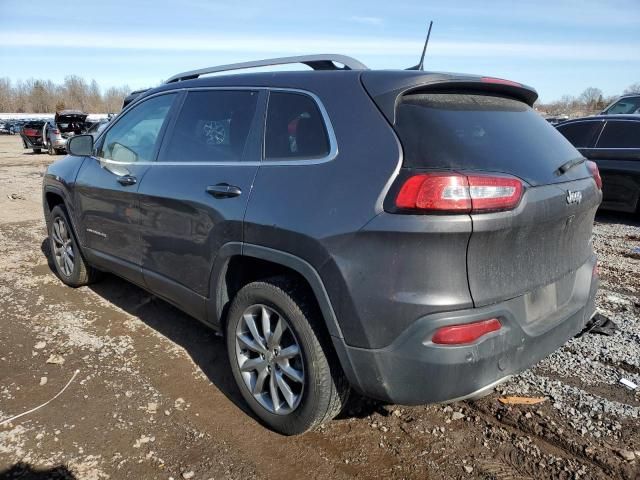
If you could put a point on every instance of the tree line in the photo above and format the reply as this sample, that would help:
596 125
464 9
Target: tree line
589 102
45 96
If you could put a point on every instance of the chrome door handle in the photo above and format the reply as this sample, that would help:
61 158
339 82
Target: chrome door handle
224 190
127 180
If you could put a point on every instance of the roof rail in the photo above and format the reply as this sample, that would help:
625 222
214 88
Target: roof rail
317 62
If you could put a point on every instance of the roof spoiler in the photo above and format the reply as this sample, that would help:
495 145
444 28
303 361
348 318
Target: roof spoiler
387 94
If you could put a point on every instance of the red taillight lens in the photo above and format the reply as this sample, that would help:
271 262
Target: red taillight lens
435 191
595 172
452 192
55 132
494 193
467 333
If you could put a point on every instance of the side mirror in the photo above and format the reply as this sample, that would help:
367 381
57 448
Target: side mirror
80 145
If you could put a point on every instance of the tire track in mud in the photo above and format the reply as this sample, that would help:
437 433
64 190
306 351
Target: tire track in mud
551 442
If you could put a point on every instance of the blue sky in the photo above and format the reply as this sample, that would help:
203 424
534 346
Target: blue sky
559 47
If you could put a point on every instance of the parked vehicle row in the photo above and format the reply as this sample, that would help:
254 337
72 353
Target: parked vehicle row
52 135
418 237
11 127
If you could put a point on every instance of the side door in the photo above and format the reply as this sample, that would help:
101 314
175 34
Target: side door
107 185
617 153
193 199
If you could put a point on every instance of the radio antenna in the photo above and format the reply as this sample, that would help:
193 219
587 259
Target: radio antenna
420 66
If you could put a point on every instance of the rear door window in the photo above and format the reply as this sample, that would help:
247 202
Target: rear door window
581 134
617 134
295 128
471 131
212 126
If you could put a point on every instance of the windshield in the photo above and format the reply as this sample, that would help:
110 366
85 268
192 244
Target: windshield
480 132
629 105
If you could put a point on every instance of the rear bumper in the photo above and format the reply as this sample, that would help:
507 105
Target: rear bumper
414 370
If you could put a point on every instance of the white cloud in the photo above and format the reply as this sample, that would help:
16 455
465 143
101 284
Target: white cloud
363 45
367 20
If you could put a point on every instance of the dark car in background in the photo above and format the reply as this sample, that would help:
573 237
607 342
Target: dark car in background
613 142
625 105
31 134
97 127
418 237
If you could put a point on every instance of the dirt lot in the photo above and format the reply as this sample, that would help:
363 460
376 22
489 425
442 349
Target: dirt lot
154 397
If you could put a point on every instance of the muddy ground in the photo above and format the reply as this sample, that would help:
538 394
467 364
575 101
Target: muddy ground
154 398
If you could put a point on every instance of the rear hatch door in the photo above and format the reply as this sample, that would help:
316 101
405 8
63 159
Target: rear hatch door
547 237
71 122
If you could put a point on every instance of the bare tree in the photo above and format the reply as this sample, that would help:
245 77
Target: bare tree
592 99
44 96
113 97
6 95
633 88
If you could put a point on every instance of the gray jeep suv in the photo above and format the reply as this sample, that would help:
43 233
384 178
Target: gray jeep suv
417 237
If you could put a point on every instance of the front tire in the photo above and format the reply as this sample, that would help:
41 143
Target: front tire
67 259
37 150
281 357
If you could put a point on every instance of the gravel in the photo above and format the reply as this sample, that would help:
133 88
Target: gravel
575 376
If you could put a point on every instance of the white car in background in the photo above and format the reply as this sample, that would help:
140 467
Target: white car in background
66 124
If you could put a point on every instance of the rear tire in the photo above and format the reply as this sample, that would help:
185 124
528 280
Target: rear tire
67 259
51 150
309 386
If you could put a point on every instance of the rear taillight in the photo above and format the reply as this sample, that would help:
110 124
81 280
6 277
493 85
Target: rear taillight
456 193
55 132
466 333
435 191
595 173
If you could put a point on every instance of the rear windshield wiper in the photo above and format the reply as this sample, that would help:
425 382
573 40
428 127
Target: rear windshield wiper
565 167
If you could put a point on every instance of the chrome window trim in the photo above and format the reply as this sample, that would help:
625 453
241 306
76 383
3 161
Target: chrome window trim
333 143
612 148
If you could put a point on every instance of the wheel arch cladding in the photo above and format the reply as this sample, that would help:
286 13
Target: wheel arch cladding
238 265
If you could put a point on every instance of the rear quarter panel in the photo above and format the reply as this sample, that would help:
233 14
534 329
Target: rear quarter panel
313 210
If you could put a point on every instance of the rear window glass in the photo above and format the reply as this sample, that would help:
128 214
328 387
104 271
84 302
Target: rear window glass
295 128
480 132
620 135
581 134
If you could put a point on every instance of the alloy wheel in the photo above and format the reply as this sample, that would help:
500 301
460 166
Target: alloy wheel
63 247
270 359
